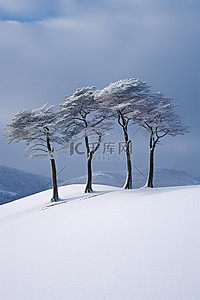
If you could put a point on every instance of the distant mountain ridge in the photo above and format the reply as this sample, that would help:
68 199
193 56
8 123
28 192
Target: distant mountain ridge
162 177
15 184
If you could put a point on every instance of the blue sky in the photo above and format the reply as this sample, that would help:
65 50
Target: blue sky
50 48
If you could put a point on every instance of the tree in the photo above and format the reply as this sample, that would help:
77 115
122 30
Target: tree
158 117
122 99
37 128
81 114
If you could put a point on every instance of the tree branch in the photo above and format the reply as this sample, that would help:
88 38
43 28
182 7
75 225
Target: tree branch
161 136
98 143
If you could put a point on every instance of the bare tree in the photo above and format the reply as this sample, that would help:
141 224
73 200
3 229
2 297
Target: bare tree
121 99
37 128
158 117
81 114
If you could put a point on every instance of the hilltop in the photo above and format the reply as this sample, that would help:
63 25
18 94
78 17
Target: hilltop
112 244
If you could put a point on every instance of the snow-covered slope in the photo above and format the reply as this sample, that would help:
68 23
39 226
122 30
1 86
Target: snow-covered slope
15 184
116 245
163 177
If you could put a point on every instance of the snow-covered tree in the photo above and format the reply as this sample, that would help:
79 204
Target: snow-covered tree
37 128
122 99
157 115
80 113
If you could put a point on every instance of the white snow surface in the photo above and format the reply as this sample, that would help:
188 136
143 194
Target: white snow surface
112 244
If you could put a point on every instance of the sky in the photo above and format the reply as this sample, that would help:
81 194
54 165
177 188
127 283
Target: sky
50 48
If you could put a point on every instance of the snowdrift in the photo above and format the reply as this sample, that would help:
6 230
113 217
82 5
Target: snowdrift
111 245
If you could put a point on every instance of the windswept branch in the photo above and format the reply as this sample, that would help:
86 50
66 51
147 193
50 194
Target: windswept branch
98 142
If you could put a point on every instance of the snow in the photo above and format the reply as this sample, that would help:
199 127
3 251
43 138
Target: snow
15 183
112 244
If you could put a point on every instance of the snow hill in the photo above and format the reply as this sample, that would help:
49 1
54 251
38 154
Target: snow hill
113 244
15 184
163 178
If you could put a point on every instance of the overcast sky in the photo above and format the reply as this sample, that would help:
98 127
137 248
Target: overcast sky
50 48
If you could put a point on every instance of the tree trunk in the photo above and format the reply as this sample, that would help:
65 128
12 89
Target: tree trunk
55 196
151 168
54 181
128 182
123 122
154 138
88 188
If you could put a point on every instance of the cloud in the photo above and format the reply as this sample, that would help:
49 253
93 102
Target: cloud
28 10
77 44
42 57
33 10
16 7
